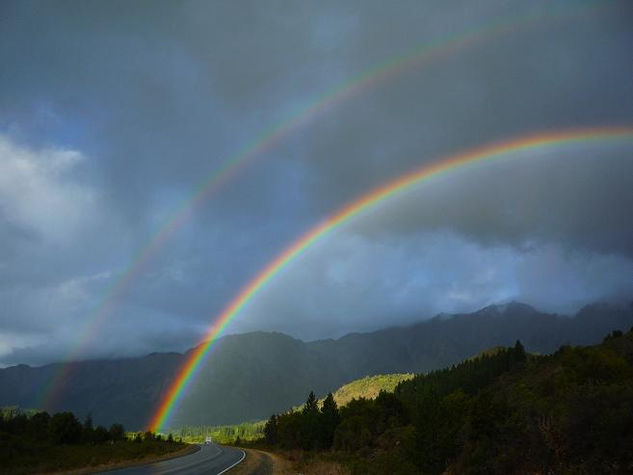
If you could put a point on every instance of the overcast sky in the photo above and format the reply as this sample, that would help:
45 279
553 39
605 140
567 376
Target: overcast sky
112 113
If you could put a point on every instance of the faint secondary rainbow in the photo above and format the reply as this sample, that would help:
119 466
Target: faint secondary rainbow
214 182
506 149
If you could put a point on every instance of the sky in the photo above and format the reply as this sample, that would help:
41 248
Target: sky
113 113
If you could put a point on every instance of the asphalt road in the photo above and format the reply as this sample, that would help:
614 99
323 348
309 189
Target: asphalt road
211 459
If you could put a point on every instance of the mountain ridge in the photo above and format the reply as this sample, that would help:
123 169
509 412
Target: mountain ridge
442 316
254 374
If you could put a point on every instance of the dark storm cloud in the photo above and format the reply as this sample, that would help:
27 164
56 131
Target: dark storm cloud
555 74
351 281
112 113
118 339
579 197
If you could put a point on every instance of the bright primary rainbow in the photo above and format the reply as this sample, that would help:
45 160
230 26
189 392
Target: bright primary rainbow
214 182
507 149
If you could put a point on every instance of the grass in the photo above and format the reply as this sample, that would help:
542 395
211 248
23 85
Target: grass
17 457
369 387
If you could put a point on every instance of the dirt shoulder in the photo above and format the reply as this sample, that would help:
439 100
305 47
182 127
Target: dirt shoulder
258 462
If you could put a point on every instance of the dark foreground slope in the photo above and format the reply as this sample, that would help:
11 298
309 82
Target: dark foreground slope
252 375
502 413
37 442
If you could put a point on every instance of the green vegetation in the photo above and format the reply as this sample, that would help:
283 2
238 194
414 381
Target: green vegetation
502 412
488 352
369 387
32 441
229 434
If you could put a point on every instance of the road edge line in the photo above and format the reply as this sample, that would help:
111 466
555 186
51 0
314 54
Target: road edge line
229 468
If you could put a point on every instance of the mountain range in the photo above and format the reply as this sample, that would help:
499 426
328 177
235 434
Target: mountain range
250 376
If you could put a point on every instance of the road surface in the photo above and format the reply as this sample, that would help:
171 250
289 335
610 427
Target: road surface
211 459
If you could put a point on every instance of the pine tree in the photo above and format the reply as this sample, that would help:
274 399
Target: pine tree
519 352
311 406
271 429
309 431
330 418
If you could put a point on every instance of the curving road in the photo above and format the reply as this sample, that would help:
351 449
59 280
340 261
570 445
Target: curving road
210 459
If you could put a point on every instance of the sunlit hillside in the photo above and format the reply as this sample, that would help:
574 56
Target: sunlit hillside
369 387
503 412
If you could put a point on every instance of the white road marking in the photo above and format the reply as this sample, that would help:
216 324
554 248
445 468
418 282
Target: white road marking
229 468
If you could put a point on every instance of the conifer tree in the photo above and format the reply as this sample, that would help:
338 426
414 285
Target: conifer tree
309 431
330 418
519 352
311 406
271 429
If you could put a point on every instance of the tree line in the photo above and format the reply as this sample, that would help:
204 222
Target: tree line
228 434
35 441
60 428
502 412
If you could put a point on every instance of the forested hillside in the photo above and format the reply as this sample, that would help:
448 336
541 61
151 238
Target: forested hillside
503 412
368 388
278 369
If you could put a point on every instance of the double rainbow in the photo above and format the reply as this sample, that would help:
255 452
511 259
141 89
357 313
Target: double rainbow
214 182
507 149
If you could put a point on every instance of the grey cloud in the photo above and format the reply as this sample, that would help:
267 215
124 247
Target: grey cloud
533 79
352 283
579 197
119 339
157 95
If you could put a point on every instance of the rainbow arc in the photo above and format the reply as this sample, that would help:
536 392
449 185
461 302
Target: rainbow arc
233 165
507 150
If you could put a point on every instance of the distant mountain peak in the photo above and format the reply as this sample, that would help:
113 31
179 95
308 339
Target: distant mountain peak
250 376
511 307
498 309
